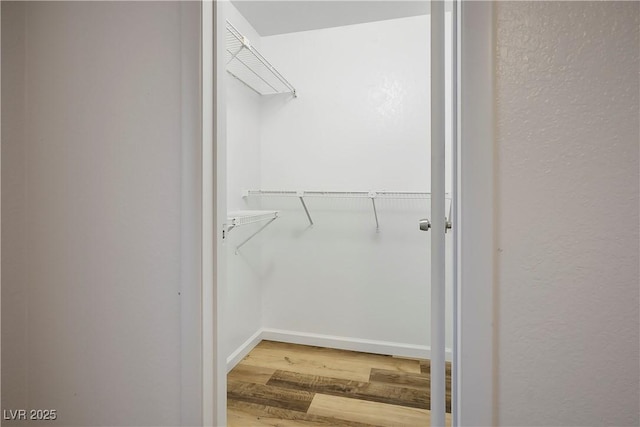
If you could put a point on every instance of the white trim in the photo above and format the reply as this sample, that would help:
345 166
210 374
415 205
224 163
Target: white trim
475 382
209 378
330 341
243 350
455 199
388 348
218 162
190 221
347 343
438 215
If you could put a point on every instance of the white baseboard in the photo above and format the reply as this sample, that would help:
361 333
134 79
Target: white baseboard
243 350
331 341
353 344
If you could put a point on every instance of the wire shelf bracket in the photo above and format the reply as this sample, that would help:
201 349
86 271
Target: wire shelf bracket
300 195
241 218
247 65
372 196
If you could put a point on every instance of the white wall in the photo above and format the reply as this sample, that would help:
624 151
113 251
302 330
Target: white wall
243 306
567 206
361 122
191 232
103 172
14 298
362 114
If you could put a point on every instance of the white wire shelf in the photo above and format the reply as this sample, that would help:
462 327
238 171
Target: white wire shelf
372 195
247 65
240 218
342 194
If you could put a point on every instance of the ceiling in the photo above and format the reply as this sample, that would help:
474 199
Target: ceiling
278 17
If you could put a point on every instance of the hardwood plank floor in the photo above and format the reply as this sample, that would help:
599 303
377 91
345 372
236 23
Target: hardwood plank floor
410 380
288 385
381 393
327 362
250 414
278 397
373 413
251 374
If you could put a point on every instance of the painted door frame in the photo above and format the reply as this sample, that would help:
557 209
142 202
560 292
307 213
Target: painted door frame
214 210
474 359
476 250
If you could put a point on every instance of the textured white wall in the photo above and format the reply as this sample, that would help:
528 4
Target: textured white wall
103 168
14 296
567 203
191 214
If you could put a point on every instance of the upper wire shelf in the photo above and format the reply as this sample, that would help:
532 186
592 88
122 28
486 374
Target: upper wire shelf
247 65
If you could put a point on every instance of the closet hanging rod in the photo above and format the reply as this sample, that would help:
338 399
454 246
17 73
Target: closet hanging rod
342 194
372 195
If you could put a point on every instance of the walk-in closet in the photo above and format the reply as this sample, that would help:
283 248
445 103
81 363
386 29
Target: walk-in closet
328 176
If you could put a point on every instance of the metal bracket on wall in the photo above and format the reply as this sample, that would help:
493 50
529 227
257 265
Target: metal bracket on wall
300 195
241 218
253 235
372 196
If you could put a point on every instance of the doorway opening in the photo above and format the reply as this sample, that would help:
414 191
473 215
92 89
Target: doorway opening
327 176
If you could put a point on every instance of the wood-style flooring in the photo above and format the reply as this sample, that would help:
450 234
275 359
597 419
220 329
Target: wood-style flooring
289 385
